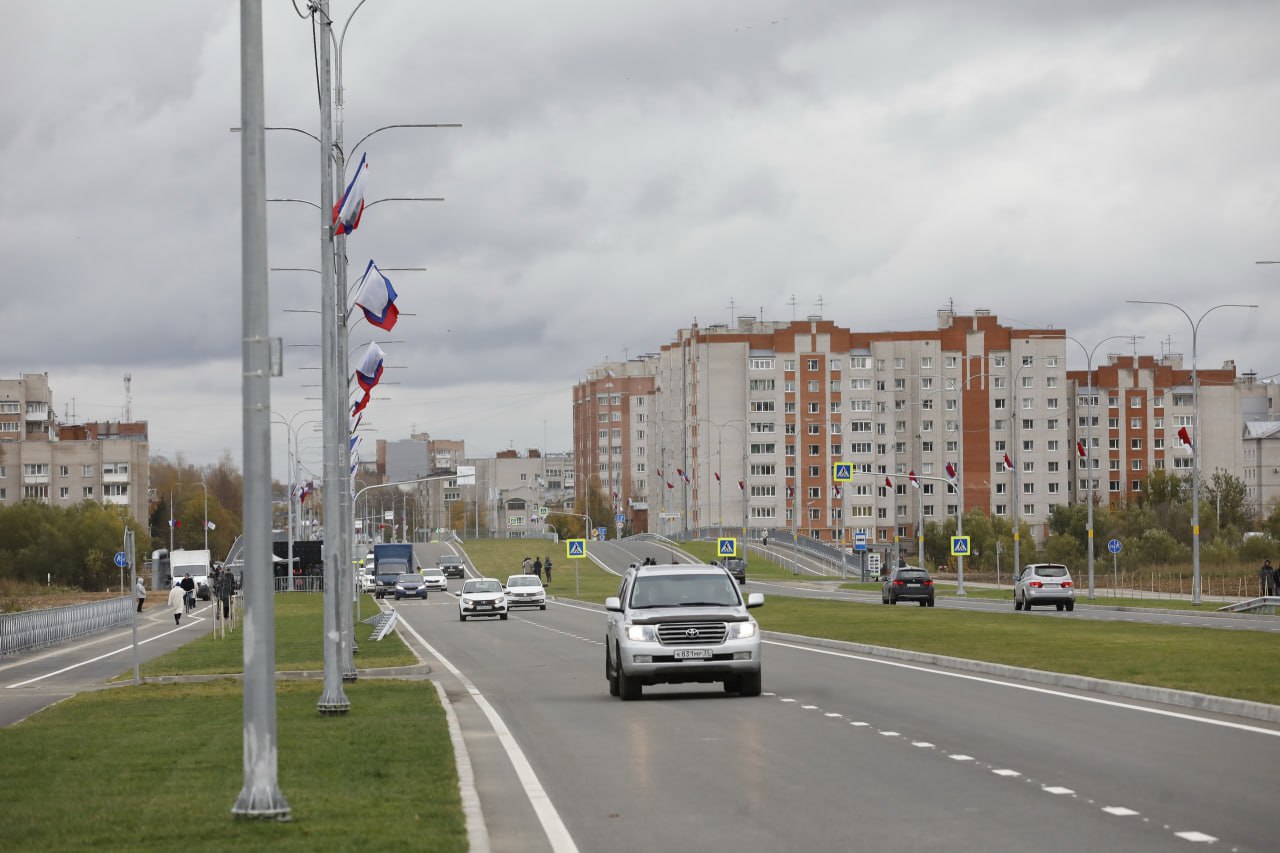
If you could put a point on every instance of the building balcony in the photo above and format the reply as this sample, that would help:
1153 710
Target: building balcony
115 478
116 500
35 479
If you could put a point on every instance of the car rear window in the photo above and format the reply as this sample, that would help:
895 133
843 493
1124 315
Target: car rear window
913 575
1051 571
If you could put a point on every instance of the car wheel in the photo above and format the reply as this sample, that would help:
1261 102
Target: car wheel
462 617
543 607
931 602
502 616
628 688
749 684
1071 605
892 600
610 671
1061 606
924 603
731 684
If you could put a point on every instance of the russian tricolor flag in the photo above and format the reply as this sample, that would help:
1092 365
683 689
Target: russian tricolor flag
377 298
347 212
370 369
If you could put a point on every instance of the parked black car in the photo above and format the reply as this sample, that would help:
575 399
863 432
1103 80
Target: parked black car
908 583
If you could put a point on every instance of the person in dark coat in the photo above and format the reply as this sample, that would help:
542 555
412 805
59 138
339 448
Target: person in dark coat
537 568
546 567
1267 578
188 592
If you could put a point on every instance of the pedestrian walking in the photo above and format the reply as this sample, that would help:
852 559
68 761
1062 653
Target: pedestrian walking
537 568
1267 578
764 540
177 603
140 593
223 587
546 567
188 586
526 566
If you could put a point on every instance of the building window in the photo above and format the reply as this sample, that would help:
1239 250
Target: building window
815 429
762 406
899 364
64 471
761 385
768 470
1135 444
64 492
762 426
812 363
815 450
815 471
760 448
926 362
1135 464
815 408
950 361
764 491
999 361
859 362
814 493
762 364
1113 486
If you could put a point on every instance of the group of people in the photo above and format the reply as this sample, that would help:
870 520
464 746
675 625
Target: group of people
182 595
536 567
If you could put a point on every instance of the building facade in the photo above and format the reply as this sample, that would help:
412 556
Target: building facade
612 429
61 465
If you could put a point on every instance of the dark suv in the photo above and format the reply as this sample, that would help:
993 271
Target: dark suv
453 567
737 567
907 583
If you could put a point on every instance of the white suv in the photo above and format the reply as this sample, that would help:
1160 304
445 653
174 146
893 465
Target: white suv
677 624
1044 583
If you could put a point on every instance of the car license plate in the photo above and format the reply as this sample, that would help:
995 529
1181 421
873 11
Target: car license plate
688 654
1051 586
484 605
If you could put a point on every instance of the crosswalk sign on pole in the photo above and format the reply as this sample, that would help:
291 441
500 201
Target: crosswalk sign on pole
727 547
842 472
959 546
575 549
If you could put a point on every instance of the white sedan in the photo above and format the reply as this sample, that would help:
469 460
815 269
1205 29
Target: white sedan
482 597
526 591
434 579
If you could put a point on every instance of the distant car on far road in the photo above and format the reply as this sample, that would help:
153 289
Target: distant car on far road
453 567
907 583
435 579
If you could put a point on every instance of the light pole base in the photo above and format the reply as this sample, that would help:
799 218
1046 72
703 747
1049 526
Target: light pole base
332 703
261 803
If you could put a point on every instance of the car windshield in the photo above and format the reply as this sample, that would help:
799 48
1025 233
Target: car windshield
523 580
450 561
409 579
483 586
1051 571
684 590
432 573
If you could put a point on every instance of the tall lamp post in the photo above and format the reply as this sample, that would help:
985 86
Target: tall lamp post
1195 434
206 513
1088 447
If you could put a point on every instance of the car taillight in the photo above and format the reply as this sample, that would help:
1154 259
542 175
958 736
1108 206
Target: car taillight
1066 583
1035 584
928 583
898 583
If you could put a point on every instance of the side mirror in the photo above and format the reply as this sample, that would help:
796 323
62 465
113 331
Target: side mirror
755 599
614 604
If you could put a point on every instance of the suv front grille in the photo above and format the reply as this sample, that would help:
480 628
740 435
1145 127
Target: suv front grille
692 633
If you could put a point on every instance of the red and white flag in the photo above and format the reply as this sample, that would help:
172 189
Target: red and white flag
347 212
951 472
359 405
888 484
742 485
1008 463
837 491
791 491
1185 438
1080 448
911 475
671 485
717 476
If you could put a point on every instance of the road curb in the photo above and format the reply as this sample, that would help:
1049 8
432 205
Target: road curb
1164 695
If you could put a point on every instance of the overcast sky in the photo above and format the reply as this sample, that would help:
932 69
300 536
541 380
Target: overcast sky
624 169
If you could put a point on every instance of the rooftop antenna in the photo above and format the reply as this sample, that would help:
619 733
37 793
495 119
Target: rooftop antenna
792 303
820 304
1133 339
128 398
731 307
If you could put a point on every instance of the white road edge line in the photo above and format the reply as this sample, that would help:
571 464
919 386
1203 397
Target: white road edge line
557 833
477 832
102 657
1032 689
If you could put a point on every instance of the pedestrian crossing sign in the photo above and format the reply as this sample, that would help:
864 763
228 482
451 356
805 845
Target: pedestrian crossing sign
576 549
727 547
959 546
842 472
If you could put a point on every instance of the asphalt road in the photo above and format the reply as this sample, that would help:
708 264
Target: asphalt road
842 752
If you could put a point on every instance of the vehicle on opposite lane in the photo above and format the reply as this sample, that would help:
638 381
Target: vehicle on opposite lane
482 597
907 583
525 591
453 567
1044 583
677 624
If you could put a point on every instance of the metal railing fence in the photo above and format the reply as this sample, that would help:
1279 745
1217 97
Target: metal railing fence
32 629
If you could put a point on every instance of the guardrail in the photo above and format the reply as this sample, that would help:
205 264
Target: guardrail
32 629
300 583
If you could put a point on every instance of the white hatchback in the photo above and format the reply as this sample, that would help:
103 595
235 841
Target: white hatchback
1044 583
434 579
482 597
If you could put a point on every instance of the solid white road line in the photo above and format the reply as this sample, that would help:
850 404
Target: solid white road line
557 833
194 619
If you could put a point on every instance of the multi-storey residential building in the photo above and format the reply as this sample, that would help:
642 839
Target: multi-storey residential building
1129 418
65 464
747 423
612 425
1261 452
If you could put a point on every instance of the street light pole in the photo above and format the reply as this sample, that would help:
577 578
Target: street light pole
1195 435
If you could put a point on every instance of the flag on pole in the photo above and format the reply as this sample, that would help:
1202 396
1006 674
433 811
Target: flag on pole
888 484
377 298
1080 448
717 473
837 491
1008 463
173 522
659 470
353 443
951 472
355 422
1185 438
742 485
791 491
911 475
370 369
360 404
684 475
347 212
671 485
209 525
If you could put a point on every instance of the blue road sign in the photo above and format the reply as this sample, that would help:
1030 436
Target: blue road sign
859 541
841 472
727 547
959 546
576 547
602 532
122 559
1114 546
619 518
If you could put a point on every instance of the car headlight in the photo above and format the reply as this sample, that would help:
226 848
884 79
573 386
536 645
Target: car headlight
641 633
466 601
499 600
741 630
